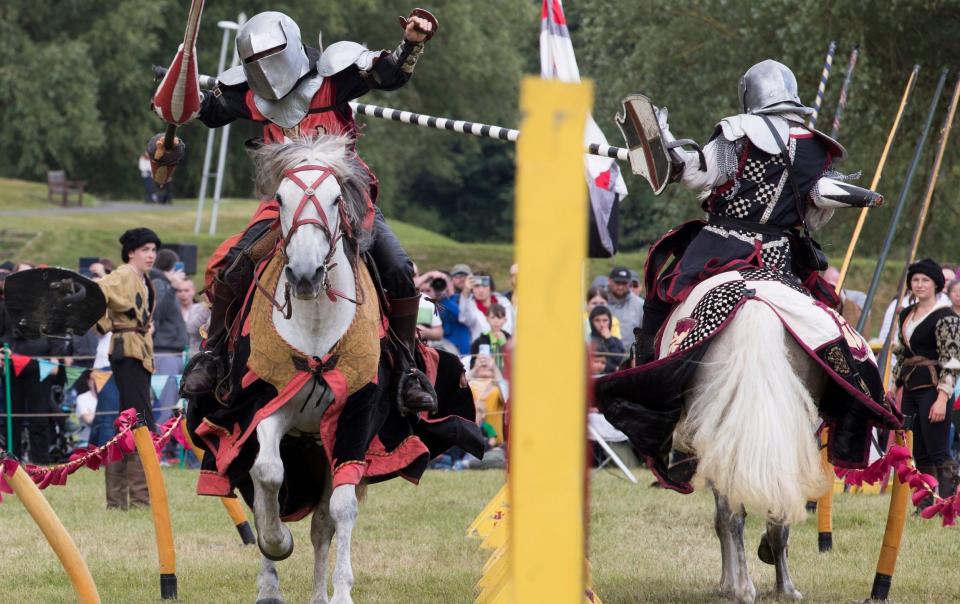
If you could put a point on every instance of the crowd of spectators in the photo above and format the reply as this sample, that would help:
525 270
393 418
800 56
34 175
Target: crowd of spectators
53 415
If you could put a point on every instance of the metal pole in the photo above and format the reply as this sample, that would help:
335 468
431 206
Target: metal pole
211 138
827 63
901 202
903 286
222 157
876 176
842 103
7 368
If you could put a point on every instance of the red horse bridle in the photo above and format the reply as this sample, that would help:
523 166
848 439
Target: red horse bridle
333 237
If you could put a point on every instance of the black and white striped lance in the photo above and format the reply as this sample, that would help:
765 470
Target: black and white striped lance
464 127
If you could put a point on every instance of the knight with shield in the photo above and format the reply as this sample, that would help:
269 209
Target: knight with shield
764 179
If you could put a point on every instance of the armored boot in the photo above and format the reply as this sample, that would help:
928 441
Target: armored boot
947 476
414 392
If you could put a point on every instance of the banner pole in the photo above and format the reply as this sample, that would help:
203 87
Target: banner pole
7 367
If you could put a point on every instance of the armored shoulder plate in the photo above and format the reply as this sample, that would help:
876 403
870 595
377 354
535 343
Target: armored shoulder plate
341 55
753 127
233 76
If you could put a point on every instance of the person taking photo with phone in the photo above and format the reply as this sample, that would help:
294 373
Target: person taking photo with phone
475 301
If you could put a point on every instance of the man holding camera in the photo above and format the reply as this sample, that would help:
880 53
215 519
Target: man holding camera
475 301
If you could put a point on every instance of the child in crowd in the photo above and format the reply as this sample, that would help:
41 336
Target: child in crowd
489 432
489 389
495 337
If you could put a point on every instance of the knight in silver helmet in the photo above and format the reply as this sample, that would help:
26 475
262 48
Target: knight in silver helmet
765 179
295 90
272 54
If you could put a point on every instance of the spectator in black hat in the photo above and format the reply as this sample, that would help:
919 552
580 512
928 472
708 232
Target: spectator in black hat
626 306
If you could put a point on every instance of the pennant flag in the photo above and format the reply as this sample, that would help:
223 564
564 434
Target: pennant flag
100 378
73 374
604 181
19 361
46 368
158 383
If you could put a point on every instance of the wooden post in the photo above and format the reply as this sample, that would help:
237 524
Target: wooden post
57 536
160 508
548 423
893 534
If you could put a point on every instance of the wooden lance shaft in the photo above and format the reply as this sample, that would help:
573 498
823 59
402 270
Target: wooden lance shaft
944 137
901 202
844 92
876 176
893 533
160 508
57 536
232 505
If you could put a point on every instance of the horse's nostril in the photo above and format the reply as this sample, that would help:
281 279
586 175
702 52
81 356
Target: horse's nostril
320 273
290 275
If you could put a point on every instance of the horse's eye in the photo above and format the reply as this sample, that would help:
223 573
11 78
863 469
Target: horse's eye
279 200
338 199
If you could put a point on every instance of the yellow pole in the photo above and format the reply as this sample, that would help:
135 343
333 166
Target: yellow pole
57 536
232 505
893 534
876 177
548 426
825 503
161 512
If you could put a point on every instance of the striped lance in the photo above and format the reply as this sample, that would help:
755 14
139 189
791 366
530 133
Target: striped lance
821 89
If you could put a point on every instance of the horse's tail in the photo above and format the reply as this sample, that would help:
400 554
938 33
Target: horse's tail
751 419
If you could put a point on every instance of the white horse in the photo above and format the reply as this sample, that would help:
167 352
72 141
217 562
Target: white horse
320 186
750 419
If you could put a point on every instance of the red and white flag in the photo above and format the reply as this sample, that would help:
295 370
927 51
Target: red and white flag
604 182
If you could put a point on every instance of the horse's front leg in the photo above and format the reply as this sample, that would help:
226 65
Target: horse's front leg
322 528
735 582
268 583
343 511
777 537
274 539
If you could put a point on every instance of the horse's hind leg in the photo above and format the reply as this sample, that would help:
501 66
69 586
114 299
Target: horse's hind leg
735 582
274 539
343 511
268 583
777 536
321 533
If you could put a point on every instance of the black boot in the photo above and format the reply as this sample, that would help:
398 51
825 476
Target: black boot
948 478
643 347
414 392
682 466
201 375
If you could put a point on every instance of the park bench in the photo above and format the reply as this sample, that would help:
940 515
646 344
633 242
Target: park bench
58 185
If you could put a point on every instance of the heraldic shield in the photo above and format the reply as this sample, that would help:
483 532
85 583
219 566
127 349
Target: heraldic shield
648 151
53 302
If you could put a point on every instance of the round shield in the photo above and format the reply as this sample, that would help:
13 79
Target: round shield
53 302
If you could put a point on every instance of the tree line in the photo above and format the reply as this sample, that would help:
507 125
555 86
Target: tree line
75 85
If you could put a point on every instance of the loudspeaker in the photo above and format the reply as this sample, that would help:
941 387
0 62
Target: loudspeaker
187 253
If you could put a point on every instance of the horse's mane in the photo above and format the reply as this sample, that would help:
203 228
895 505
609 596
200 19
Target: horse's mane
332 151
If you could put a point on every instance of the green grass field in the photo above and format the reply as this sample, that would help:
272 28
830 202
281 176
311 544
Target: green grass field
646 545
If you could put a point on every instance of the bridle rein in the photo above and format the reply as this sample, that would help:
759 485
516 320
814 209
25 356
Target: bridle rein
333 237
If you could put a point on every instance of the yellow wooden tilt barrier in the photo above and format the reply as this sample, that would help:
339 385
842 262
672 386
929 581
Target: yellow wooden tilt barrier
160 508
536 525
56 535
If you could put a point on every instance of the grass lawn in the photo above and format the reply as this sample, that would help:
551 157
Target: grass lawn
646 545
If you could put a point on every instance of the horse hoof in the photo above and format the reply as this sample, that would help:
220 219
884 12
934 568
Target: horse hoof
764 551
791 594
286 547
270 601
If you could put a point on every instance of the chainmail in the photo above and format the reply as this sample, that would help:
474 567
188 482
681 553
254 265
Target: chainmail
727 156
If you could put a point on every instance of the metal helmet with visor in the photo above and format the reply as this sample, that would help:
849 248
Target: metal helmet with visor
770 87
272 54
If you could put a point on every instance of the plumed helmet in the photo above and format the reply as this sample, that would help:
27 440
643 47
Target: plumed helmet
272 54
770 87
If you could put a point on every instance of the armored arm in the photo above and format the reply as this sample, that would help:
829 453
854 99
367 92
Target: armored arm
223 105
831 192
